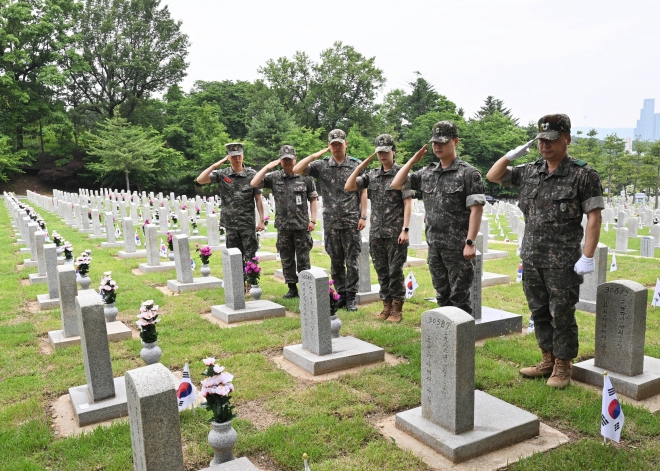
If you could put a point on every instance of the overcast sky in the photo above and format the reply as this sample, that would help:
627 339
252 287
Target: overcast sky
594 60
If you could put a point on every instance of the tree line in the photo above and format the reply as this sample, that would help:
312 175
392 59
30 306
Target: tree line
89 93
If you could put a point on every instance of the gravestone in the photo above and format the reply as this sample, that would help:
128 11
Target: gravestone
184 276
84 213
51 300
647 246
367 293
455 419
620 336
184 222
633 227
621 219
489 322
103 397
130 250
213 231
589 287
154 419
655 233
40 277
112 241
319 353
32 229
153 264
608 216
96 226
416 231
236 309
622 240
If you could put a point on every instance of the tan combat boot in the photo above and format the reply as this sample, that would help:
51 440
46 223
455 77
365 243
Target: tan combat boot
387 310
561 375
397 311
543 369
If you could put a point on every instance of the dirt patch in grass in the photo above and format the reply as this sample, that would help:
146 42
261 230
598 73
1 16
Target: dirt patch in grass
255 412
136 271
64 421
166 291
32 307
45 348
25 282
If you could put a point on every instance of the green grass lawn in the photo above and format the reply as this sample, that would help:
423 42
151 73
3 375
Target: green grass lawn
333 422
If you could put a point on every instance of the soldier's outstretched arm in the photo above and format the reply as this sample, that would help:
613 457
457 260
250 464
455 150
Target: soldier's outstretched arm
204 177
402 174
350 183
260 209
498 169
302 165
258 178
313 205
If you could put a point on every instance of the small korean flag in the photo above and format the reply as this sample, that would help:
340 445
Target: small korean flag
518 249
117 232
656 294
506 239
138 242
501 233
185 395
530 326
611 414
613 266
520 272
47 239
411 285
192 264
163 249
607 227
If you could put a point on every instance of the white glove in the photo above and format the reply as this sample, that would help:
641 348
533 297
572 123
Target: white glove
518 151
584 265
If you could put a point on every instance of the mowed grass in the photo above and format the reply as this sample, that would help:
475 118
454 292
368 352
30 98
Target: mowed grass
284 417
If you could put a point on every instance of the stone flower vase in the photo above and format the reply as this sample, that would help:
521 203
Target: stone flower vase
150 352
170 255
195 231
255 292
205 270
84 282
110 312
335 326
59 250
68 261
222 439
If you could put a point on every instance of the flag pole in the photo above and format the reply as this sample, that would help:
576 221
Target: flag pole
604 438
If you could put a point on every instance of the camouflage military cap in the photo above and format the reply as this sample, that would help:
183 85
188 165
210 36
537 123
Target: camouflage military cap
385 143
336 135
234 148
551 125
287 152
443 132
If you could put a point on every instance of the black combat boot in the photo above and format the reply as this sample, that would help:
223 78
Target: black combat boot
342 299
293 291
350 302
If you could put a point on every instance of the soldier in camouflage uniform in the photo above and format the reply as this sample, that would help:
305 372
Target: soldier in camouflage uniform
293 221
555 191
453 193
237 199
390 217
344 213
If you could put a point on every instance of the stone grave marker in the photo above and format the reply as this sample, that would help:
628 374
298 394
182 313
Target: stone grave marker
416 230
130 250
112 241
647 246
455 419
319 353
51 300
153 252
620 336
589 287
367 293
622 240
655 233
236 309
39 241
103 397
184 276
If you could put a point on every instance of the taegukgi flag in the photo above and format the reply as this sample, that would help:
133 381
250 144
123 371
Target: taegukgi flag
185 394
520 272
163 249
612 418
411 285
613 264
656 294
117 232
137 239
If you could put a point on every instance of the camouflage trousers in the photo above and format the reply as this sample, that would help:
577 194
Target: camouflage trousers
243 239
344 246
452 277
388 257
551 296
294 247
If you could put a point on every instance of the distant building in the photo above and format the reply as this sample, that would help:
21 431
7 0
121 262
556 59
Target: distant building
629 144
648 124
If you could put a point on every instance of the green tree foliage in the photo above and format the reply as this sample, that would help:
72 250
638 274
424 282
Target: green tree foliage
492 105
359 146
121 148
10 161
653 160
268 131
336 92
610 160
34 38
127 50
305 141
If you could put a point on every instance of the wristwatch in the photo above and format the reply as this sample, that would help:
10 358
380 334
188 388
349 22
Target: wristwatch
363 217
469 242
406 229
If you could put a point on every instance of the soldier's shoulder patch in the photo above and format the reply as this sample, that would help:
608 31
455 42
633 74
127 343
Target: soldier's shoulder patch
595 177
327 157
581 163
354 159
476 176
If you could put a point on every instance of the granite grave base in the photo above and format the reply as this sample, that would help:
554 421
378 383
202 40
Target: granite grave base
117 332
36 278
29 263
266 256
89 412
492 279
495 322
635 387
206 282
496 424
347 352
112 245
587 306
163 266
279 274
254 310
368 296
414 262
239 464
46 302
494 254
128 255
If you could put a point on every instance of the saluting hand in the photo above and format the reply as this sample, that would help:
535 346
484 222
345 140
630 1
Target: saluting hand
220 162
366 162
274 164
419 155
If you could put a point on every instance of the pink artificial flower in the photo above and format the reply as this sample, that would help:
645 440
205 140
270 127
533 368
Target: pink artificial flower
336 297
208 361
218 369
